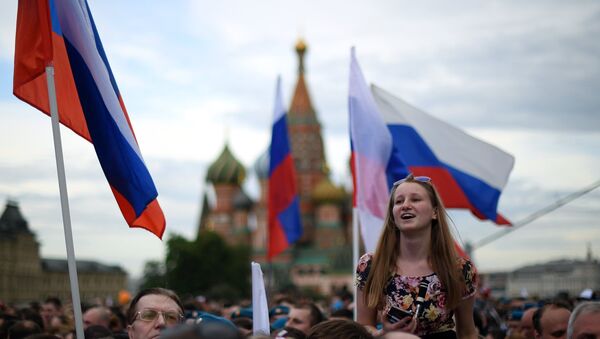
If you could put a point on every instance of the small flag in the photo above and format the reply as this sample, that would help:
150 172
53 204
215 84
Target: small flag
260 307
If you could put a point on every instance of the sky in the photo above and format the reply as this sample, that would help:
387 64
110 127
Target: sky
194 75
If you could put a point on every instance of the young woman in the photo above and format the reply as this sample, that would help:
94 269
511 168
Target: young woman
415 269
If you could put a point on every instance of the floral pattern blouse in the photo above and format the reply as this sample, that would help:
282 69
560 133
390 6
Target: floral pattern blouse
402 291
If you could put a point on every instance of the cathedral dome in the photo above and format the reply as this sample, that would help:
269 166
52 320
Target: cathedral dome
326 191
261 166
226 169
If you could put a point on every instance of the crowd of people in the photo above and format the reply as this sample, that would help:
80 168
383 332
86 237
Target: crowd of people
159 313
415 285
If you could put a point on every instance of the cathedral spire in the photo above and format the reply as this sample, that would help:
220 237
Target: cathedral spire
300 49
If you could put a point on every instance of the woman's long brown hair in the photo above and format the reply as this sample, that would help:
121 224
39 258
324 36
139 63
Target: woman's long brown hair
442 254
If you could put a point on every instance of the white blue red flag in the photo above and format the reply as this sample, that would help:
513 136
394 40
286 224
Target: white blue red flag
391 139
62 34
284 224
371 150
468 173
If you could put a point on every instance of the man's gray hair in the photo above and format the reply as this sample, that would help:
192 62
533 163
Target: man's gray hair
583 308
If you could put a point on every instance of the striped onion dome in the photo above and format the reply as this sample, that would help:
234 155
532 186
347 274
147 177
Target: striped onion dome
226 169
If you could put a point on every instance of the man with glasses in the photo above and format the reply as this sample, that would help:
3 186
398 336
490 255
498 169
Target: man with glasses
151 311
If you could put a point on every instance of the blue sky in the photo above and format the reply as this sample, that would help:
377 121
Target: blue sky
522 76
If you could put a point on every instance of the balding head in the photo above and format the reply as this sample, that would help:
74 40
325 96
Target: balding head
97 315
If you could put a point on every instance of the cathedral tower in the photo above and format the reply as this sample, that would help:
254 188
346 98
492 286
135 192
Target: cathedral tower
306 146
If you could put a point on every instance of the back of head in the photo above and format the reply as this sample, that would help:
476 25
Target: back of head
97 332
202 330
338 328
290 332
23 329
342 313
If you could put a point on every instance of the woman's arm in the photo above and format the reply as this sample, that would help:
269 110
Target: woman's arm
465 326
365 315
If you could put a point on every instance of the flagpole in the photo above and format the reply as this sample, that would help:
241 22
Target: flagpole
64 202
354 255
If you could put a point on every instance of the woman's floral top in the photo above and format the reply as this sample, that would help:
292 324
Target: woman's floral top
402 291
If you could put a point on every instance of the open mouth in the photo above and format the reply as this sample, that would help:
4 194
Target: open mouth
407 216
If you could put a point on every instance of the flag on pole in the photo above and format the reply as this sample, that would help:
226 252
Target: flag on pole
284 224
390 139
62 34
468 173
371 145
260 307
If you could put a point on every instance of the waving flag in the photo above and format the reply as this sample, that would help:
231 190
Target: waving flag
284 223
390 138
62 34
371 150
468 173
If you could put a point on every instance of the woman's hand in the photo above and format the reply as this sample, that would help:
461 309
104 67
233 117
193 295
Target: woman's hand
406 324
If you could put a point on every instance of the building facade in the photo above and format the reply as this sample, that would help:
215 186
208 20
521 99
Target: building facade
25 277
546 280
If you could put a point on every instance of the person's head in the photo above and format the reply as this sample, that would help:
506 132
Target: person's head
584 322
97 315
23 329
289 333
342 313
97 332
244 325
398 335
152 310
202 330
338 328
51 307
526 324
304 316
551 321
415 207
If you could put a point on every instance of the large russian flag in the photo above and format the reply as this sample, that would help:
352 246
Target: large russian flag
390 138
62 34
284 223
468 173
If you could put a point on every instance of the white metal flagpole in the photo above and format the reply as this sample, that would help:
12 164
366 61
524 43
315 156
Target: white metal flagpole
355 240
64 202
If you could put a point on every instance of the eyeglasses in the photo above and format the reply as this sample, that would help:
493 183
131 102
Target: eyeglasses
417 178
170 317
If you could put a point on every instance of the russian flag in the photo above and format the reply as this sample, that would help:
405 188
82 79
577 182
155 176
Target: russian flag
468 173
62 34
284 224
371 145
390 138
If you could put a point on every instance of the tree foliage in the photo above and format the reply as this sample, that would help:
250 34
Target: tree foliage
206 266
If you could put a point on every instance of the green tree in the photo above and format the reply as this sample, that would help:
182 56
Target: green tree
207 266
154 275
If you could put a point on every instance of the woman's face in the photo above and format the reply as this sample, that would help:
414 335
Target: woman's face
412 209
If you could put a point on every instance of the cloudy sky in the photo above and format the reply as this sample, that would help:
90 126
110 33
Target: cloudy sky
524 76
